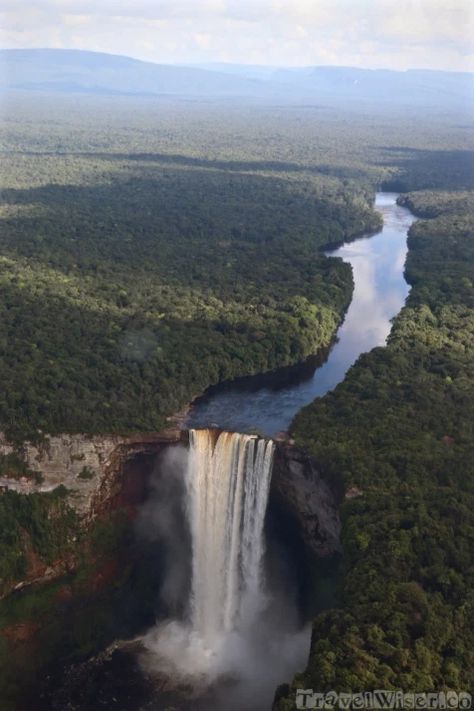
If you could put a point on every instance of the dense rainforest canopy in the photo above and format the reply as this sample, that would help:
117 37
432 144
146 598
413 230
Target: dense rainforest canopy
130 281
150 248
399 433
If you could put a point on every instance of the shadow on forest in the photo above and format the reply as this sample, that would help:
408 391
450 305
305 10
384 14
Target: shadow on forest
196 211
417 167
205 278
231 166
192 231
422 169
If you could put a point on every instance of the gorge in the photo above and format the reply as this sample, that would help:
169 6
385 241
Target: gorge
379 292
227 484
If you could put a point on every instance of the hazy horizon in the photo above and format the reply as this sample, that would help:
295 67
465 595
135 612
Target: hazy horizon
388 34
215 64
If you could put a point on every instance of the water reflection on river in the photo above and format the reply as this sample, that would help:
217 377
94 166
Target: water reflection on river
379 294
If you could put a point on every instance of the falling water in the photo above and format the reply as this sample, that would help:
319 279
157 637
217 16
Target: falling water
227 481
235 630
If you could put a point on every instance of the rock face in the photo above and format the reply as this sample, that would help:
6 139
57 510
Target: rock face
106 475
89 466
102 474
308 498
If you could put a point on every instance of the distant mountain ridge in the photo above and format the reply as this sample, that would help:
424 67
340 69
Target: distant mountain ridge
96 72
78 71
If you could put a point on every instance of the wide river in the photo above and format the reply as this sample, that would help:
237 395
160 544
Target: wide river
380 291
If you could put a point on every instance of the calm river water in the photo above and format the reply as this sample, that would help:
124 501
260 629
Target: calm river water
268 404
379 293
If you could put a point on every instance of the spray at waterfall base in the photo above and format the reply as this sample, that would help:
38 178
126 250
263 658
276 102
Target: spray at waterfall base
232 624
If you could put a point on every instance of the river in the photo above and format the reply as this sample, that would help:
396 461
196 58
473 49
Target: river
256 657
380 291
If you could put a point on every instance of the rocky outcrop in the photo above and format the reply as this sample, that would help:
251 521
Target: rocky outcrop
311 501
123 483
102 475
89 466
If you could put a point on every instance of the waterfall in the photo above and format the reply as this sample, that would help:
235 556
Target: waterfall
238 638
227 483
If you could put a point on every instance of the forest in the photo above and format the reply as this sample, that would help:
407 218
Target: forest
150 248
399 433
131 281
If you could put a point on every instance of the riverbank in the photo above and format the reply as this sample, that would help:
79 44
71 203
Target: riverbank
398 430
269 406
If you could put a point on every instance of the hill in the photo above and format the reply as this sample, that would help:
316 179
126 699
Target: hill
76 71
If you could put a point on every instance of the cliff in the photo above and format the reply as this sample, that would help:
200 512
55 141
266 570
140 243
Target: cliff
89 466
310 500
99 583
70 577
100 476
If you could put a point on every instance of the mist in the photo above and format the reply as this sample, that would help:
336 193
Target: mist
162 522
243 665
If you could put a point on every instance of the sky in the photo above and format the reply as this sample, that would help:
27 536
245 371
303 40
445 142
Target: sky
394 34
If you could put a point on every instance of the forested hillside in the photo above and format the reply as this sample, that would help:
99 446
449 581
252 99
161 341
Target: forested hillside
149 249
398 432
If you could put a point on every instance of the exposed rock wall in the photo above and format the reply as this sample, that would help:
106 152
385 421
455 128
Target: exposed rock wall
101 473
89 466
309 498
118 582
107 473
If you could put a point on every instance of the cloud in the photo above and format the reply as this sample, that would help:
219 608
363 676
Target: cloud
372 33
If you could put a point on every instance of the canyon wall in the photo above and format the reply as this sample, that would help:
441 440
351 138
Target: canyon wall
74 595
312 502
102 475
101 585
89 466
105 474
